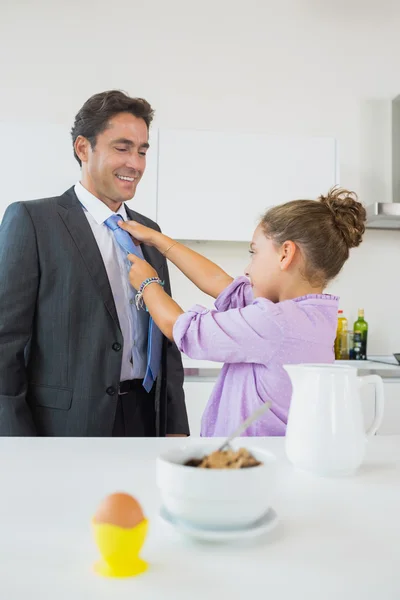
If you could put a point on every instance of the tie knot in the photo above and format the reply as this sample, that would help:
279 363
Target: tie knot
112 222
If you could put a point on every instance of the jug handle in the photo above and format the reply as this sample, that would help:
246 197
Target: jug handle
379 404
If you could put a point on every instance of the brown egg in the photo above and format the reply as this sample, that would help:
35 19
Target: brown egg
119 509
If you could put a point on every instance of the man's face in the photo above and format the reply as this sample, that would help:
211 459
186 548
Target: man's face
112 170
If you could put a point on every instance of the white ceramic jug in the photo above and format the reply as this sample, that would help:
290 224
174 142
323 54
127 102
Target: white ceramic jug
325 432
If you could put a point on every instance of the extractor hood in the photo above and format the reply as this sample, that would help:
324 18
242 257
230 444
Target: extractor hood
386 215
383 215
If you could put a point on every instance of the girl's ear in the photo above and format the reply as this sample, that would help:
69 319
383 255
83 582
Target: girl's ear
287 253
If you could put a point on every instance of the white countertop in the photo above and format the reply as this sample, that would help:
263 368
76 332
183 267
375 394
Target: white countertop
362 365
337 538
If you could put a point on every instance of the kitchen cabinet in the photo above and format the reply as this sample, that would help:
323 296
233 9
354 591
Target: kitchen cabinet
216 185
197 393
145 200
45 157
45 166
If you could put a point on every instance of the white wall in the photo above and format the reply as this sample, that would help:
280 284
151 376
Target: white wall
305 66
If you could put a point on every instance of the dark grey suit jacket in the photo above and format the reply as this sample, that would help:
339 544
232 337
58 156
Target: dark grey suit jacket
60 339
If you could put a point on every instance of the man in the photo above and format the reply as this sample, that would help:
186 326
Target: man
77 358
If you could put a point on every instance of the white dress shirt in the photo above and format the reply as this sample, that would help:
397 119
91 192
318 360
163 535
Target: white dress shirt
115 262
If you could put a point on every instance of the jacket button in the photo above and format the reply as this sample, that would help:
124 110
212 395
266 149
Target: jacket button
110 391
117 347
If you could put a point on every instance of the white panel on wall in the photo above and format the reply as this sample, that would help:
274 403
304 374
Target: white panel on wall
37 161
145 200
215 185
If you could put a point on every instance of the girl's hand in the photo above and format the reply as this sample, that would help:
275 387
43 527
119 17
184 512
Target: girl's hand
140 233
140 270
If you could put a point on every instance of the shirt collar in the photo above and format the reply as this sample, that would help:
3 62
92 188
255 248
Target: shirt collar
95 207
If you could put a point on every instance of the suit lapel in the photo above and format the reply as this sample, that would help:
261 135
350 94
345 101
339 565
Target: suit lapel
72 214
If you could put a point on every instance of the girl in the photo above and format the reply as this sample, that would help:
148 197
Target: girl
276 315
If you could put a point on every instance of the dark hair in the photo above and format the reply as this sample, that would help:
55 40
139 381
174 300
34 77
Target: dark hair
324 230
95 114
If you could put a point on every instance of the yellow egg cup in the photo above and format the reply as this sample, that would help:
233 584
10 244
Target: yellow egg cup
120 549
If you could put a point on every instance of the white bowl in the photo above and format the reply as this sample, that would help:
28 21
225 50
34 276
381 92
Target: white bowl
215 497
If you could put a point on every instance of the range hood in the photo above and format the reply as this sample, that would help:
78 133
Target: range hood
383 215
386 215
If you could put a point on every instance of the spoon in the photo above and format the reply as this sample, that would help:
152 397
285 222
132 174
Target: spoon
243 426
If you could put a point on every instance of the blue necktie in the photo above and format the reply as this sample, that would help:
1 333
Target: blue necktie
154 340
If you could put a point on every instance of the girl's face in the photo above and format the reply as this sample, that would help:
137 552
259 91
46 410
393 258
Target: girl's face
267 266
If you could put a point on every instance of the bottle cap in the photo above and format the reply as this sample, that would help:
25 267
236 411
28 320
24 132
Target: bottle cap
340 312
360 312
